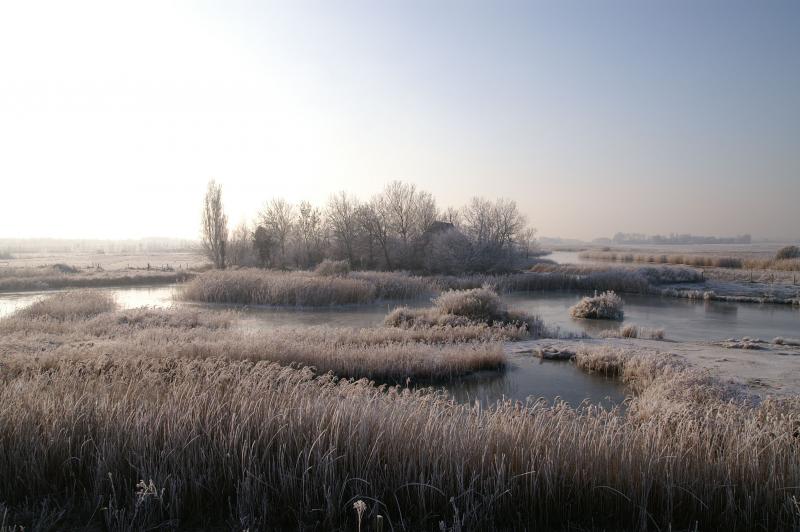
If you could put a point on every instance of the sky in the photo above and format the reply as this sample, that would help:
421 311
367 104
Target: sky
595 116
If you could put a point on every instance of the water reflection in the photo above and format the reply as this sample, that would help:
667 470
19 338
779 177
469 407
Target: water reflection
531 377
682 319
526 376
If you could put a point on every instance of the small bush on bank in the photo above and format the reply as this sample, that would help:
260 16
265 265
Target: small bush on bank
479 304
468 308
788 252
606 306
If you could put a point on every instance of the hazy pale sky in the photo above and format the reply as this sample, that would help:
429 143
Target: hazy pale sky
594 116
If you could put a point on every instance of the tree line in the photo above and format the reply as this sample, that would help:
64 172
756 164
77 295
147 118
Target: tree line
400 228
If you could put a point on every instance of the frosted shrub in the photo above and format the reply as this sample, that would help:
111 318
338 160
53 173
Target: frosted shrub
479 304
469 308
788 252
606 306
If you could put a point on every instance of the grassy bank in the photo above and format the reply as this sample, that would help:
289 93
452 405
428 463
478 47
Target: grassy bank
131 442
13 279
269 287
76 325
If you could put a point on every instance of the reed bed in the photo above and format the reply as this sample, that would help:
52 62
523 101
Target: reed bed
14 279
634 331
698 261
397 285
134 443
788 277
783 298
265 287
70 305
382 354
336 287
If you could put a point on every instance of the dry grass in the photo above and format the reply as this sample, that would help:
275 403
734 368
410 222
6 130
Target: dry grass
136 443
327 288
63 276
265 287
551 276
382 354
396 285
634 331
70 305
785 261
605 306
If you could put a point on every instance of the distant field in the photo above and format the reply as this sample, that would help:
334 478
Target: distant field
759 250
109 261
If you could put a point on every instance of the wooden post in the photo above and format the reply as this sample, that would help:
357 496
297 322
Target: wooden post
379 523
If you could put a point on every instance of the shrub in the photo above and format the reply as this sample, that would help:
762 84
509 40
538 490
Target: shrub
469 308
65 268
606 306
479 304
788 252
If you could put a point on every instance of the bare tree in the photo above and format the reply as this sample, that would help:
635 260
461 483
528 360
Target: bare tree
476 219
214 225
507 223
425 212
240 246
451 215
342 215
375 221
277 217
399 203
527 241
263 245
310 233
492 228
